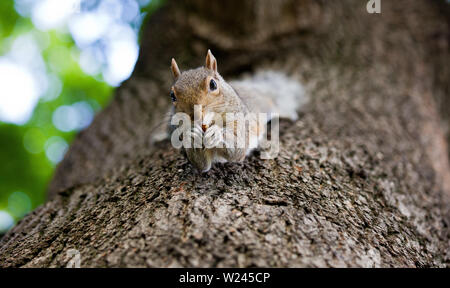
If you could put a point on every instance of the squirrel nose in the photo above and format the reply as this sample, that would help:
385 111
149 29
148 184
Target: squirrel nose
204 121
207 118
200 111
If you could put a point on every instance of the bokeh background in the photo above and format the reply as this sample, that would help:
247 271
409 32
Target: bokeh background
60 61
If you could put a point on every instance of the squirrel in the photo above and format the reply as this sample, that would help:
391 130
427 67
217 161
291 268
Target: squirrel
272 93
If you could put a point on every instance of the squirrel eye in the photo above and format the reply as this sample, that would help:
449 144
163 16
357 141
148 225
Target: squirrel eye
172 95
212 85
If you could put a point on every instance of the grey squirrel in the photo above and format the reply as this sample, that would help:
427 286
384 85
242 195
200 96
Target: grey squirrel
267 92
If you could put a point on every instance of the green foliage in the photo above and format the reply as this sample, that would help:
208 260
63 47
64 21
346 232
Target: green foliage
25 169
8 18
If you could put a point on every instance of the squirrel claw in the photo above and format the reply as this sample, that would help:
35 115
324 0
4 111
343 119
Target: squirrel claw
213 136
196 135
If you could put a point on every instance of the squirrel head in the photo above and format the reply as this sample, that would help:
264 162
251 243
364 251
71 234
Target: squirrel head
202 86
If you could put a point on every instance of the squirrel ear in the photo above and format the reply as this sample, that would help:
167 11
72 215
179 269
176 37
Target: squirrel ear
211 62
175 70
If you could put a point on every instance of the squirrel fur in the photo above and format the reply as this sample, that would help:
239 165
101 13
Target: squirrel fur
267 92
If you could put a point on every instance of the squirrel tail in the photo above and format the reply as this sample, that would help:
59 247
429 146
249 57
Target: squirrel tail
286 94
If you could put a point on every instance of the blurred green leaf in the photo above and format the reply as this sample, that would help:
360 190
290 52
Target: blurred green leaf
26 150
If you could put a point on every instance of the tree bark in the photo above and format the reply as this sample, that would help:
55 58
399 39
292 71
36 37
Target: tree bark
362 178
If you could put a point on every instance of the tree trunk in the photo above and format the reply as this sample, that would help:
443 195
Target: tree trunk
362 178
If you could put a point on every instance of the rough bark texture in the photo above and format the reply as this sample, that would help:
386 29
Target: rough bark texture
362 178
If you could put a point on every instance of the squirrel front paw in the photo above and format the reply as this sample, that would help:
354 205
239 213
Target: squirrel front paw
213 137
196 136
